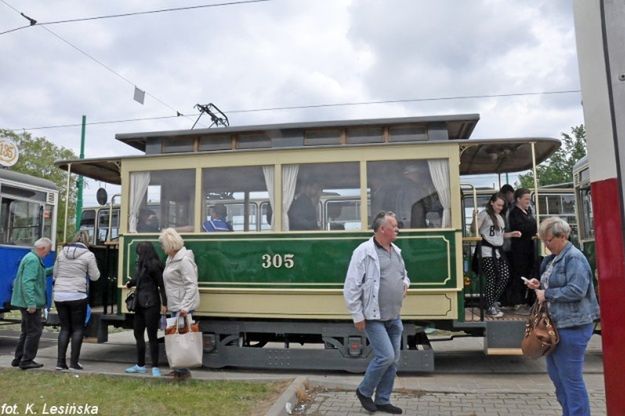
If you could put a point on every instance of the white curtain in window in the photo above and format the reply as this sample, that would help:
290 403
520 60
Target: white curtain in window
268 173
439 171
139 182
289 180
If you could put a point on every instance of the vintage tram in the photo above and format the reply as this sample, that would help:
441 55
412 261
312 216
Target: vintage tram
28 211
271 289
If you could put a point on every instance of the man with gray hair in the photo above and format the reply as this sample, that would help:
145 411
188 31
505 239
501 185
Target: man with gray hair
29 296
374 290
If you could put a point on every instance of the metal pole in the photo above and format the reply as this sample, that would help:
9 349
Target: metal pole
69 175
79 183
535 181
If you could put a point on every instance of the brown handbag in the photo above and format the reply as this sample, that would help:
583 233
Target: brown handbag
541 336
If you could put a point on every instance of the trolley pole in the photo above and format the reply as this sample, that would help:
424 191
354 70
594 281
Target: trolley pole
79 183
599 32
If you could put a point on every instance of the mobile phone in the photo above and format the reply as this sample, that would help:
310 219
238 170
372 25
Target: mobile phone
525 279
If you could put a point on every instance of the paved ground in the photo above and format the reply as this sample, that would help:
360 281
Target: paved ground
465 382
338 403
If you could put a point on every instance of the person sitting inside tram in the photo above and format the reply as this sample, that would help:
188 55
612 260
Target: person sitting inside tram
303 211
217 221
148 221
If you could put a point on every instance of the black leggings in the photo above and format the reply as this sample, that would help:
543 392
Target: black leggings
497 275
72 317
147 318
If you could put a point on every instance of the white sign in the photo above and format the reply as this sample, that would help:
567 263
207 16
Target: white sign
8 152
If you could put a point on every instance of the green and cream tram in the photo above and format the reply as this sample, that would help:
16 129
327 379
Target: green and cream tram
275 281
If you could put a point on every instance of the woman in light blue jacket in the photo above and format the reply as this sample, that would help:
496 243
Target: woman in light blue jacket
566 285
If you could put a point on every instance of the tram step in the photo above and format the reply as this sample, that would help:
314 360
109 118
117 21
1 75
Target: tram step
503 337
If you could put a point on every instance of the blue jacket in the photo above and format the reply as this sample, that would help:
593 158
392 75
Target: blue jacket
216 225
571 293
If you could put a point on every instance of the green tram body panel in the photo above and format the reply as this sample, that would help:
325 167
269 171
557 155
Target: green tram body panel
302 275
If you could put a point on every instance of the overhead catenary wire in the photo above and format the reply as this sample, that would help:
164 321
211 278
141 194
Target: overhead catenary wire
115 16
301 107
102 64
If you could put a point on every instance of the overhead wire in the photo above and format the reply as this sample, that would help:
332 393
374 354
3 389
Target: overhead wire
301 107
108 68
114 16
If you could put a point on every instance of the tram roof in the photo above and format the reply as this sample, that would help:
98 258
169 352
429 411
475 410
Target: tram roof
478 156
504 155
26 179
456 127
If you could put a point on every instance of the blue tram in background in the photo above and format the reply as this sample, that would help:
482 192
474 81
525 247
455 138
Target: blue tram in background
28 211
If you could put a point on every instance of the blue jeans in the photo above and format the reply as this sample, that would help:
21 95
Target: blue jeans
565 366
385 339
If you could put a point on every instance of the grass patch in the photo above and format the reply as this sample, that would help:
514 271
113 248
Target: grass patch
135 396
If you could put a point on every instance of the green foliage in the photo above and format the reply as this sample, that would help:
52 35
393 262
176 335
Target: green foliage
559 167
37 156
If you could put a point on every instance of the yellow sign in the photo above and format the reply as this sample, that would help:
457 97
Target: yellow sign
8 152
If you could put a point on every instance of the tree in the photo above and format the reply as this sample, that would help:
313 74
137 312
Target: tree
559 167
37 156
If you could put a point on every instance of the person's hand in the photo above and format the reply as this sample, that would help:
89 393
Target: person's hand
360 326
405 290
540 295
533 284
183 312
163 310
127 285
516 234
31 310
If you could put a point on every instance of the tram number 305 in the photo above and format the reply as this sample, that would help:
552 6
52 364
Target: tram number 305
278 261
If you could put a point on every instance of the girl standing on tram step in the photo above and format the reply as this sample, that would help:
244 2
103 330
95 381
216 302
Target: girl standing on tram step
151 303
491 227
71 294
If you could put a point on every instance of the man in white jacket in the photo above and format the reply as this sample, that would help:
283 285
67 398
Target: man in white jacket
374 290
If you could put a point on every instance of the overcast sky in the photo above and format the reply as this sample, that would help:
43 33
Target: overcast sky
284 53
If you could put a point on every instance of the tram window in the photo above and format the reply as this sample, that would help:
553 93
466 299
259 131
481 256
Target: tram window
87 223
342 215
416 190
231 196
48 213
586 215
24 193
215 142
554 205
568 204
172 191
103 225
24 225
408 133
4 220
265 216
178 145
322 137
357 135
305 186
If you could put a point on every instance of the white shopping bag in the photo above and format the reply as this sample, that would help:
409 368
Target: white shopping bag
183 345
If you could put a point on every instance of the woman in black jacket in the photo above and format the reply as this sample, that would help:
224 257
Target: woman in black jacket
151 302
522 250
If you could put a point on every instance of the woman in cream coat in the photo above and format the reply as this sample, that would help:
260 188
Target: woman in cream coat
180 278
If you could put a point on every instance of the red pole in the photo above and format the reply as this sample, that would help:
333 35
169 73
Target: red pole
610 252
599 32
